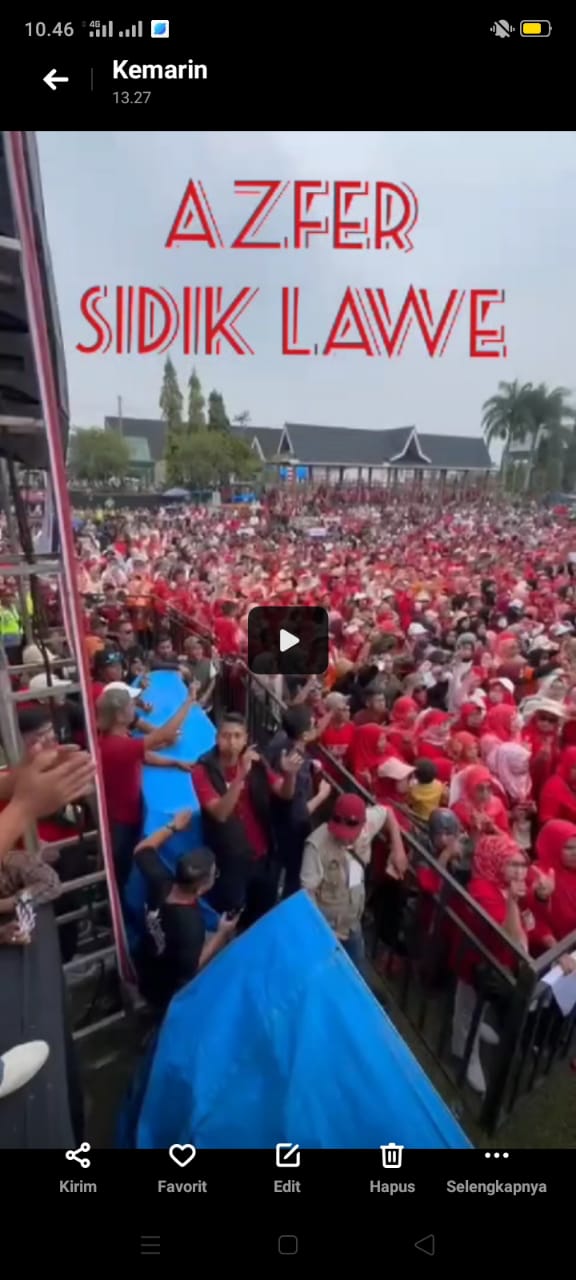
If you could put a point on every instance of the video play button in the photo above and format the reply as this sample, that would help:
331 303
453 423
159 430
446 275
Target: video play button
287 640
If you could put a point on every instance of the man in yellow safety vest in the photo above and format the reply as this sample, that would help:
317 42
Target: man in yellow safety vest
11 626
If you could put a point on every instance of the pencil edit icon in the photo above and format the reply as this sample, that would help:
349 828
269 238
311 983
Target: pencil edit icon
392 1155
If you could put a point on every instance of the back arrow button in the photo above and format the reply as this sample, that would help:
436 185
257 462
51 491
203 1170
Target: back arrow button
52 79
426 1245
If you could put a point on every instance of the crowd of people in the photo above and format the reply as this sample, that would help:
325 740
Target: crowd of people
447 712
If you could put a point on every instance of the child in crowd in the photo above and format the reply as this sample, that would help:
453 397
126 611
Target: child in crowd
425 793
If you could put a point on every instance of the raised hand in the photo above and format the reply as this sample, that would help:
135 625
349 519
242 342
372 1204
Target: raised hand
249 757
53 779
290 762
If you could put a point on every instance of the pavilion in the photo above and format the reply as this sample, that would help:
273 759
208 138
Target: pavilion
337 455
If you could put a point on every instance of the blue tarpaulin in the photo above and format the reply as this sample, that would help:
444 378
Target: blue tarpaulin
168 790
280 1040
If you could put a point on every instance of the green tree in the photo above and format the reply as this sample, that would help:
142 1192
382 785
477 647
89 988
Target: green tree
506 417
96 454
171 401
171 405
196 404
242 419
218 419
569 469
543 422
205 460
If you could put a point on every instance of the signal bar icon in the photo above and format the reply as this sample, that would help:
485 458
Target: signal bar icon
101 29
136 32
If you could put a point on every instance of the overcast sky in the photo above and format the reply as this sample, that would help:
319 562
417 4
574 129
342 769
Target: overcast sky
497 210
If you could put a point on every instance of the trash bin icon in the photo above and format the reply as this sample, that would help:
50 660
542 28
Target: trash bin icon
392 1155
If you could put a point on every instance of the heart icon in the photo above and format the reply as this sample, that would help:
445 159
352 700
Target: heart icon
182 1154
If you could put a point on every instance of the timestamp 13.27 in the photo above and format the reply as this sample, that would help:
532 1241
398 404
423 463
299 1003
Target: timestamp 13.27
138 97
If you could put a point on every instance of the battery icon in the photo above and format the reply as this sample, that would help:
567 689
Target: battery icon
535 28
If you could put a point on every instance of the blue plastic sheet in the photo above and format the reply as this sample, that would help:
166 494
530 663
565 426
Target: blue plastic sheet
168 790
280 1040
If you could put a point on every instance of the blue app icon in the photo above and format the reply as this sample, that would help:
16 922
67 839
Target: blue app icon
159 29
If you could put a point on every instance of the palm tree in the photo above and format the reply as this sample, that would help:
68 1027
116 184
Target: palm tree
506 417
538 418
552 423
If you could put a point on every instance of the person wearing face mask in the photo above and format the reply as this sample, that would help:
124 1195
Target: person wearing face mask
335 859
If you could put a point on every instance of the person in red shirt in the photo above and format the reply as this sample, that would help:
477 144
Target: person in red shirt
234 786
558 795
375 710
122 759
227 631
338 736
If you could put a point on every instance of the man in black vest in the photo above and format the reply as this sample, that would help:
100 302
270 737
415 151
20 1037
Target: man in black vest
234 786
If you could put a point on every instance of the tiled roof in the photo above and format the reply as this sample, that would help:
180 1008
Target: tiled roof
456 452
345 446
268 438
350 446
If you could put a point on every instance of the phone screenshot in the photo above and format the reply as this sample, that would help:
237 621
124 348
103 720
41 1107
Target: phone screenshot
287 666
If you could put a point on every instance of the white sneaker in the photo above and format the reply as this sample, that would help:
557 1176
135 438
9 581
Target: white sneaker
475 1075
488 1034
21 1064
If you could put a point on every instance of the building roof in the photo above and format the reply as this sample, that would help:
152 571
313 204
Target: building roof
267 438
310 444
351 446
139 450
345 446
153 430
466 453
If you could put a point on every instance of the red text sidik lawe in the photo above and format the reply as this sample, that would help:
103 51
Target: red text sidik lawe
343 216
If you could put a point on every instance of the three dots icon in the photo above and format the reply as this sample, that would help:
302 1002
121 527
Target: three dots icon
495 1155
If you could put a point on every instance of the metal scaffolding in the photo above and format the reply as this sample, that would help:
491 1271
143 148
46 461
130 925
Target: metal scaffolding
44 430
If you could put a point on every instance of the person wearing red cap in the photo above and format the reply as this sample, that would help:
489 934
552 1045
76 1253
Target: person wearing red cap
335 858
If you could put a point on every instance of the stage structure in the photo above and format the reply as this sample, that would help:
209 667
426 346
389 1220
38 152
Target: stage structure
34 424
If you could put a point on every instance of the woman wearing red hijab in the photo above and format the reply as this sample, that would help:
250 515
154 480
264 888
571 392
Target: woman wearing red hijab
463 749
558 795
502 724
367 752
472 717
500 690
480 811
400 735
432 737
541 733
556 860
498 885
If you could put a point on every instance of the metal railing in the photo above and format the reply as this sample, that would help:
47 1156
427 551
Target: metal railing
422 943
